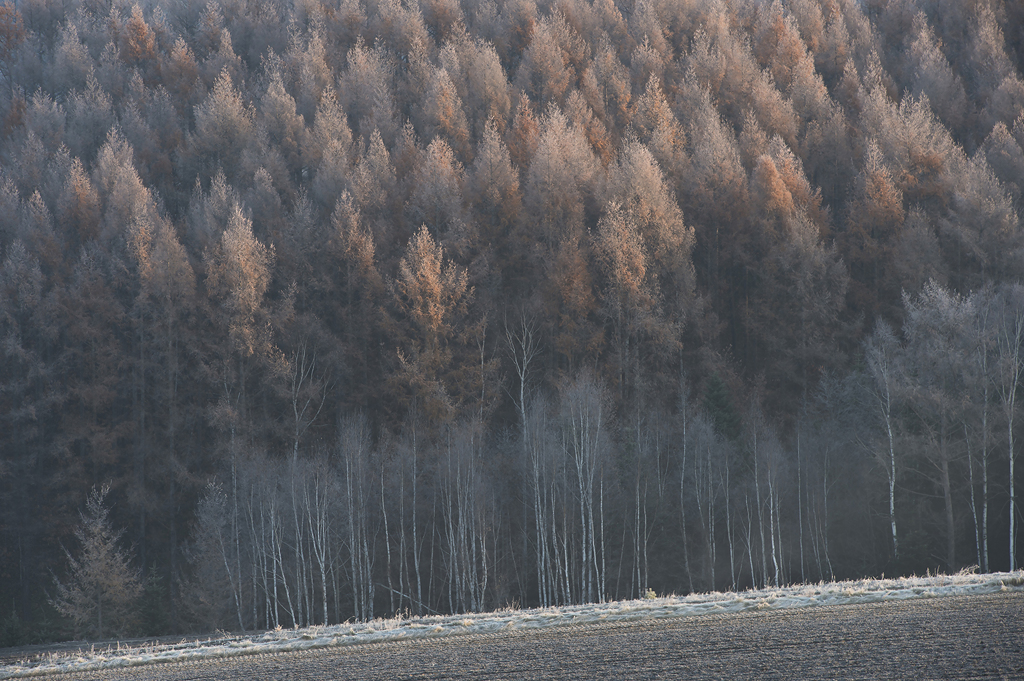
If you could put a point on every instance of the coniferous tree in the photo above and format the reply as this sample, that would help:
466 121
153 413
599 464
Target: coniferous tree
12 34
720 407
102 590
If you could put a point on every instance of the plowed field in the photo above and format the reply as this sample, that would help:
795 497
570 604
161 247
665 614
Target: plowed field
962 637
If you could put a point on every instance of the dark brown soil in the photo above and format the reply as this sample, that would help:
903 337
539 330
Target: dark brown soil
964 637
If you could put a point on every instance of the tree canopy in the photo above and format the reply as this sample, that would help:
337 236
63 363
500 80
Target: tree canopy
369 305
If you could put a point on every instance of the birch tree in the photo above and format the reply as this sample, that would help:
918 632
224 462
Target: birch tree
1011 368
882 358
936 326
354 452
584 409
978 379
523 346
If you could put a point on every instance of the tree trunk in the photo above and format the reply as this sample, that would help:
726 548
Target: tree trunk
947 495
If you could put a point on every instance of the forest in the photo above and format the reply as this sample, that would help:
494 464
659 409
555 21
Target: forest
321 310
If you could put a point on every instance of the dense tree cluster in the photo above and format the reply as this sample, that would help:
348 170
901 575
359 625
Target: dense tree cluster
366 306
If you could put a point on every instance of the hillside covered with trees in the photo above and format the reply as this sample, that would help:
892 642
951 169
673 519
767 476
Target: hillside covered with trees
324 309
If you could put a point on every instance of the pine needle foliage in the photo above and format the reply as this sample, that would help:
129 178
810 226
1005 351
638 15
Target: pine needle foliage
102 591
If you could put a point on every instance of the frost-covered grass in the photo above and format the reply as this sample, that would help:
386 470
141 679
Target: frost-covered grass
648 609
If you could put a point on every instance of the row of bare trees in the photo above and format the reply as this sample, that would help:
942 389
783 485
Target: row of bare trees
945 389
595 501
583 504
